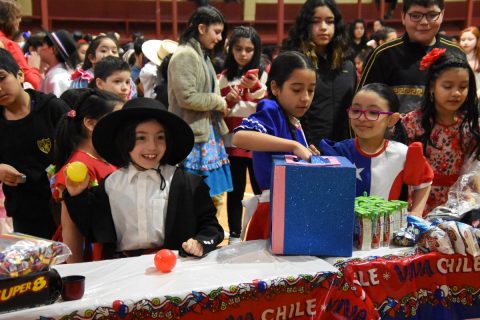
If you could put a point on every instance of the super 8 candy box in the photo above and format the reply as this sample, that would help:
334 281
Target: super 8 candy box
34 289
312 206
26 279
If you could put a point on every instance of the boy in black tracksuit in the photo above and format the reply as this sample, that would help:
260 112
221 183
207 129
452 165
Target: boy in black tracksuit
28 121
396 63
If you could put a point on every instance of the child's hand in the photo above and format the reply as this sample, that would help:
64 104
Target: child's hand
314 150
248 81
233 96
75 188
9 175
34 60
193 247
300 151
226 111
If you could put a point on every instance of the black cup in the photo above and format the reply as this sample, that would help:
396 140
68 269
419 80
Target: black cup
73 287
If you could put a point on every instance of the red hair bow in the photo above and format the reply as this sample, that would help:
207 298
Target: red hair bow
83 74
431 57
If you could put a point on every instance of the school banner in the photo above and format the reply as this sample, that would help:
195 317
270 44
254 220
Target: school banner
421 286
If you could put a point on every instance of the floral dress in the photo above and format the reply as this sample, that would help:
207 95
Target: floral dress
445 155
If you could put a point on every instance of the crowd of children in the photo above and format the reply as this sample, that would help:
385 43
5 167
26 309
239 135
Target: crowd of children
166 128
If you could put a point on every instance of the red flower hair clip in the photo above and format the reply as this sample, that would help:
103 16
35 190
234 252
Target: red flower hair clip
431 57
71 114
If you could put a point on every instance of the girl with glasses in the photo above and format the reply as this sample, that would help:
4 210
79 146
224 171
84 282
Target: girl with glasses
384 167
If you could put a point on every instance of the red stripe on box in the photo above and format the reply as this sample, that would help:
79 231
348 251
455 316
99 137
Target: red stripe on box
278 209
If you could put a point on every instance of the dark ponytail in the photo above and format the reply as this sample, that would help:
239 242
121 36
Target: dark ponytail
206 15
93 104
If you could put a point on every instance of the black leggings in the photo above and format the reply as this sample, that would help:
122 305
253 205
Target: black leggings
238 167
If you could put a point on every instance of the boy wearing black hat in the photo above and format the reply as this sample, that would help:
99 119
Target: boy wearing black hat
56 52
149 203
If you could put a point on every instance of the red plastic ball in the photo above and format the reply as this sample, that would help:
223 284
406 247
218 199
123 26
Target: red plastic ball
165 260
117 304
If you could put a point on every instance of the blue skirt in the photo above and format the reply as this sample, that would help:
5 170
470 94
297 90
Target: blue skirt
210 160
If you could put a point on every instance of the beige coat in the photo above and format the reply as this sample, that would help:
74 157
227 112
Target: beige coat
190 93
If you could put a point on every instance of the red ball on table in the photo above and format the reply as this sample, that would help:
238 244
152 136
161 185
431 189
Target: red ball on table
165 260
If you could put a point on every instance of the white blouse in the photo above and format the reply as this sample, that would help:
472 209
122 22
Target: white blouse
57 80
139 207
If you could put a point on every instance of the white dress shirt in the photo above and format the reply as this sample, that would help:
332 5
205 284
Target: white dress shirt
139 207
57 80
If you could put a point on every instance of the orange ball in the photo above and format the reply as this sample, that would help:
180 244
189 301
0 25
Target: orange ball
165 260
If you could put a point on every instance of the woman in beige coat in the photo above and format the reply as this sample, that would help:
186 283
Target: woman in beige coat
194 95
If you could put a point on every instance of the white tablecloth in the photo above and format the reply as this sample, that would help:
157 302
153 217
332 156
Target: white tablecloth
133 279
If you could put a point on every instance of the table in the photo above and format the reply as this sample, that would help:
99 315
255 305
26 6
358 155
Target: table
241 281
244 281
415 285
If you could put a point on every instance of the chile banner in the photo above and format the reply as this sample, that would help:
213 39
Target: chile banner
421 286
324 296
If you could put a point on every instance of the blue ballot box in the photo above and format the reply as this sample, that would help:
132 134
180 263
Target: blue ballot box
312 206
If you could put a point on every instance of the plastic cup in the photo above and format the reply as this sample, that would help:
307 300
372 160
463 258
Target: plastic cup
73 287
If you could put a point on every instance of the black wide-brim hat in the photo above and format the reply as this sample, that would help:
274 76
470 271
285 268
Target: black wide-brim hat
180 135
64 43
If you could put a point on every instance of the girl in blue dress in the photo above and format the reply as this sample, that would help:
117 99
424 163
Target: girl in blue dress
275 128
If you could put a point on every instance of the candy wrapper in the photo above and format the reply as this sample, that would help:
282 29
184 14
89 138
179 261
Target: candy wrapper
22 254
404 238
464 194
436 239
450 227
469 238
412 232
430 237
447 237
417 226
